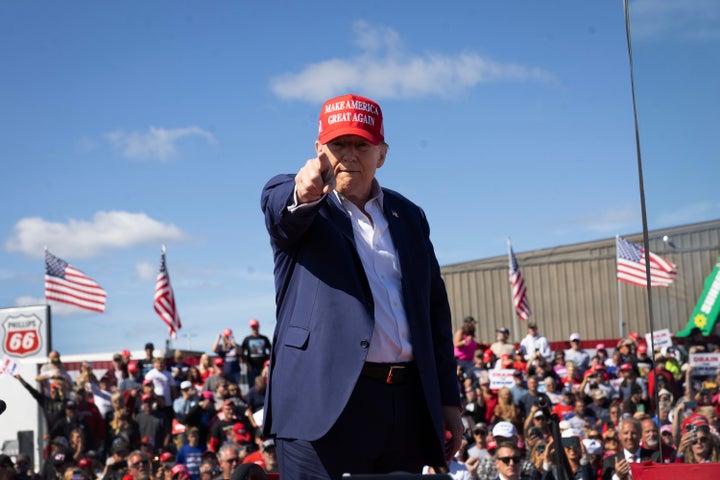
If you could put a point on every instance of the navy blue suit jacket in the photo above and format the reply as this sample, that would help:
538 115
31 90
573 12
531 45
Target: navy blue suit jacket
325 311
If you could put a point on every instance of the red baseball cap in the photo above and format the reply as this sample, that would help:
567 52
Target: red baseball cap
642 348
241 434
254 323
227 332
126 353
351 115
218 361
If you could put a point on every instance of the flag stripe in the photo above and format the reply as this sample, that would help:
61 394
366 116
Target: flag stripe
631 266
65 283
519 291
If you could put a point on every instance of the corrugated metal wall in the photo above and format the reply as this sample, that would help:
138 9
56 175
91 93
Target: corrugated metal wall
574 289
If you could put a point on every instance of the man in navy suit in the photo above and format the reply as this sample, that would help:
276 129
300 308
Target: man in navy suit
362 373
617 467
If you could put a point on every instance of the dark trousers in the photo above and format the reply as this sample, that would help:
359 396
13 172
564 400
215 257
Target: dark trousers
384 428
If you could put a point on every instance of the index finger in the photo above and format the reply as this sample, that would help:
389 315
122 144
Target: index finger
326 172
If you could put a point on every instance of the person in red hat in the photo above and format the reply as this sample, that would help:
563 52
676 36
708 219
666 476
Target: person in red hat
364 333
226 348
255 351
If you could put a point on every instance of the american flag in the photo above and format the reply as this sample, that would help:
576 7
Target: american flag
65 283
631 266
519 292
165 299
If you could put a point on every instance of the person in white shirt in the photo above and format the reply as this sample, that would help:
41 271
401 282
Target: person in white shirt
163 382
535 344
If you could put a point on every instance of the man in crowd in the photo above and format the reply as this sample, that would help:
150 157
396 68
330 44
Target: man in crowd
617 467
501 345
255 351
138 465
535 345
229 461
577 355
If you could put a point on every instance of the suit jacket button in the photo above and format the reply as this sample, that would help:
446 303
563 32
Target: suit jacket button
365 344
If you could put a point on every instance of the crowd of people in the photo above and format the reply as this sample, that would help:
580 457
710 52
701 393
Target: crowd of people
610 405
165 418
176 418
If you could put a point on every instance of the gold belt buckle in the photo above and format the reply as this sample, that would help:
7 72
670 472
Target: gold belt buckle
391 373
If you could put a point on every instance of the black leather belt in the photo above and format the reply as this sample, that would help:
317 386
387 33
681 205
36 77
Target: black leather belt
390 373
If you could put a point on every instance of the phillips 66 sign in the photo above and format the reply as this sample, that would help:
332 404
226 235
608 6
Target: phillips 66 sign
25 331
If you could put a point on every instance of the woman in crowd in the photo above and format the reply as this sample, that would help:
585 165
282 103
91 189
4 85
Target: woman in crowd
205 367
506 410
465 344
698 445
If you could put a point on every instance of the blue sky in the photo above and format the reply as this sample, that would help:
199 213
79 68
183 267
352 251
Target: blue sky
128 125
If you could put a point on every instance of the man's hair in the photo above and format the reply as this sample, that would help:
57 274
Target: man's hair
632 420
228 447
510 445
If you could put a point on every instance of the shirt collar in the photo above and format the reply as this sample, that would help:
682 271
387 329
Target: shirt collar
376 194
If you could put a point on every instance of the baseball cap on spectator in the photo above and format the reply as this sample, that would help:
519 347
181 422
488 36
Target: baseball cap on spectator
207 395
126 353
539 414
598 368
635 336
600 346
218 361
666 429
228 403
71 404
84 462
147 398
574 337
185 384
254 323
487 356
179 472
177 427
625 367
503 330
227 332
149 345
132 367
592 446
146 382
268 443
59 459
166 457
642 348
241 433
571 432
504 429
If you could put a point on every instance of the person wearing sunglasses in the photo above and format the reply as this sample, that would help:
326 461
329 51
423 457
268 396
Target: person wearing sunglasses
138 465
507 462
698 445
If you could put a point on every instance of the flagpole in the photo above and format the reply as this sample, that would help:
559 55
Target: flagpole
516 327
619 292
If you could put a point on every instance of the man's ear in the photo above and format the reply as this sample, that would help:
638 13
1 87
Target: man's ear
383 154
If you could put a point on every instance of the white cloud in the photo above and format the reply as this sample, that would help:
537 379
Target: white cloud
611 221
691 213
383 69
81 238
684 19
156 143
146 271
